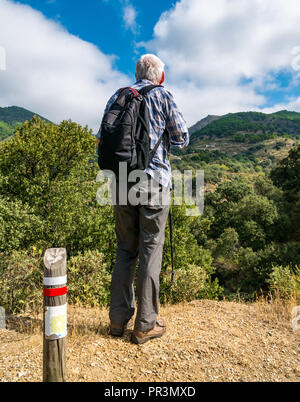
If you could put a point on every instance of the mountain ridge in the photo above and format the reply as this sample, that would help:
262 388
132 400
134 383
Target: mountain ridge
203 122
12 117
242 125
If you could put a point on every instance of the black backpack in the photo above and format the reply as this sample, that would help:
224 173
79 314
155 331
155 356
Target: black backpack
125 132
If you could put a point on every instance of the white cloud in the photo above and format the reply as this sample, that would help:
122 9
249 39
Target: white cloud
52 72
196 103
220 53
293 104
129 17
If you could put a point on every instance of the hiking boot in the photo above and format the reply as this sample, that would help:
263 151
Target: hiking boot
158 331
118 329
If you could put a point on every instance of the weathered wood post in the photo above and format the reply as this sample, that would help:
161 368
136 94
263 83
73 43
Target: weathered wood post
2 318
55 315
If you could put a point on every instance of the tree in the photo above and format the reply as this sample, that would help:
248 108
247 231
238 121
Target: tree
287 177
42 154
287 174
51 171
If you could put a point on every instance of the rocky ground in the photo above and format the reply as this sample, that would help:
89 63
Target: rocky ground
206 341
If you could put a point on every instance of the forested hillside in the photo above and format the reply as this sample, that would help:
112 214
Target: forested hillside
251 126
249 143
11 118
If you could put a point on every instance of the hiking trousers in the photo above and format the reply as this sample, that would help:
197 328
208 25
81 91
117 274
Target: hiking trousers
140 234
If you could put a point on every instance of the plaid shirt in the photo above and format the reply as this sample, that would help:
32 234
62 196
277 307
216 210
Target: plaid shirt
164 114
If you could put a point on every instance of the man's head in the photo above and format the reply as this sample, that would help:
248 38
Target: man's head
151 68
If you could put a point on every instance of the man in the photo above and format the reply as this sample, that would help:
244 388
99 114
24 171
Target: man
140 229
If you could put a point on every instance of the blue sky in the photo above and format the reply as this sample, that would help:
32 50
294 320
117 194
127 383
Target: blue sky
101 22
65 58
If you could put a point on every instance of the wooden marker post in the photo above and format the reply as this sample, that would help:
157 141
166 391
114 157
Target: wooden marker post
2 318
55 315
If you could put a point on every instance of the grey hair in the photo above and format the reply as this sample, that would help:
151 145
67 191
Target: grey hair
150 67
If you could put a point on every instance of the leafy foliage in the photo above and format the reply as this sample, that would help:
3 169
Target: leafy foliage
192 282
19 226
287 176
89 279
21 280
284 281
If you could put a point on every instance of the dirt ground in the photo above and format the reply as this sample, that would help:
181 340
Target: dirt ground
205 341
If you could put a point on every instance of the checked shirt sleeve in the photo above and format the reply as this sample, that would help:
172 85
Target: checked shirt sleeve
175 124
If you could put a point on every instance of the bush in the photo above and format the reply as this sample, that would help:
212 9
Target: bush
89 280
21 281
283 282
191 283
19 227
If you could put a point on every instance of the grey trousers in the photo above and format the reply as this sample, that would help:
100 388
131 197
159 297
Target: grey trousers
140 231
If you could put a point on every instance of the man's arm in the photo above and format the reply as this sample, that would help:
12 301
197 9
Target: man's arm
175 124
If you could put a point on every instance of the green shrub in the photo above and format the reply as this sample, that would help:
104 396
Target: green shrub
284 282
88 280
19 227
191 283
21 281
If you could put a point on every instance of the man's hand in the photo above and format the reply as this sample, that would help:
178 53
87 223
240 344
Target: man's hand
98 143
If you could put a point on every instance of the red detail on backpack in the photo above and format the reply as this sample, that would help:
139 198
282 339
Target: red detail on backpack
135 93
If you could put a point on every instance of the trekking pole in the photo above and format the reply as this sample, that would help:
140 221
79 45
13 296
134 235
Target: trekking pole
171 242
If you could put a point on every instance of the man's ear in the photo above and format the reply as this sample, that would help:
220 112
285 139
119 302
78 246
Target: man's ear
162 78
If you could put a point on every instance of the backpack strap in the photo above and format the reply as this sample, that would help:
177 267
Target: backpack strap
149 88
154 150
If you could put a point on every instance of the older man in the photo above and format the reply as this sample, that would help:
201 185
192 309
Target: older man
140 229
